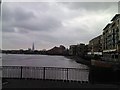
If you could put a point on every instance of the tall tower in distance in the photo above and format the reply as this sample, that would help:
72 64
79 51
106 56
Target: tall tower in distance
33 48
119 7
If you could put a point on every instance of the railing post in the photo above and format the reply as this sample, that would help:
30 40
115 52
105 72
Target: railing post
21 72
43 72
67 73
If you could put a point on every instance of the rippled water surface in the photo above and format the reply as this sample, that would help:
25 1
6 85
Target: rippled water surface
39 61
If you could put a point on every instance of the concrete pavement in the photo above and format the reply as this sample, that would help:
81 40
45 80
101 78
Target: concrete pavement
28 83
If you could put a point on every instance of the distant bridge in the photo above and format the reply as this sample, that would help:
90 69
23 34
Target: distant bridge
54 73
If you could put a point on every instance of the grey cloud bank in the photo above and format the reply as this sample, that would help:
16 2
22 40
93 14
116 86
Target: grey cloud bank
51 24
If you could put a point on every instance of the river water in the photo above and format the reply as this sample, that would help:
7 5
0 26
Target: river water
39 61
46 61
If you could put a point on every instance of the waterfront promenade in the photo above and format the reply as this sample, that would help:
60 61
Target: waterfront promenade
29 83
58 77
49 77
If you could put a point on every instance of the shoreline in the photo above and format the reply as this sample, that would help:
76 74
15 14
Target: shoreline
79 60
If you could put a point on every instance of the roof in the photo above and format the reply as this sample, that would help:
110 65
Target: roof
95 38
107 26
116 16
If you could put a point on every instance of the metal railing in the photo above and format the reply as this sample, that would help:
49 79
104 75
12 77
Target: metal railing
55 73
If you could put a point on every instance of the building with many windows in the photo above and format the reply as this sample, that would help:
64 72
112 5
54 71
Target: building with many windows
77 50
95 45
111 39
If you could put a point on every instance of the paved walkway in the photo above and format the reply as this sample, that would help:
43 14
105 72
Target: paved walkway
27 83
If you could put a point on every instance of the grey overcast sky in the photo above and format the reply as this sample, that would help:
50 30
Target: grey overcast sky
50 24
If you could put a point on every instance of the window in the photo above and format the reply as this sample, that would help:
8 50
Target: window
117 30
112 56
116 56
113 25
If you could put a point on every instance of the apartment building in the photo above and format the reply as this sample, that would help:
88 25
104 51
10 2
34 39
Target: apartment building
111 39
72 49
79 49
95 45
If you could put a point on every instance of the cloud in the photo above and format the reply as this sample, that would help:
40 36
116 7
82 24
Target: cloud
53 23
89 6
21 19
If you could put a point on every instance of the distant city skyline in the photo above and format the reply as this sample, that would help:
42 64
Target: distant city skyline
50 24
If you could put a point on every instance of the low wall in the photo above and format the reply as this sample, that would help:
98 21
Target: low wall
104 75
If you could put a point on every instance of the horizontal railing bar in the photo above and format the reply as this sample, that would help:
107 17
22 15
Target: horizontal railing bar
42 67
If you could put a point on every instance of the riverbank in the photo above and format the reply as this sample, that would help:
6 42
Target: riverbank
100 72
80 60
